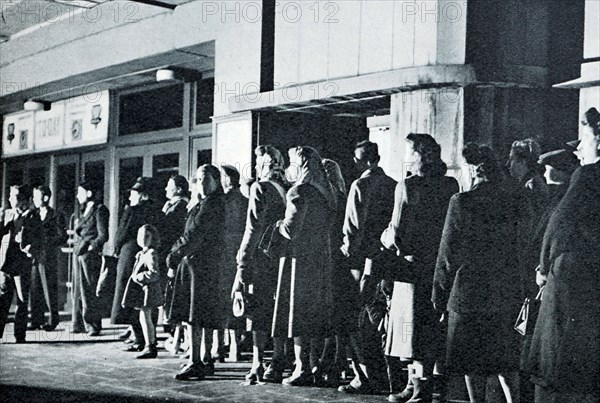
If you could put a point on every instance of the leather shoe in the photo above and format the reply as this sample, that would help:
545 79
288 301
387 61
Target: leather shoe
209 369
34 326
124 335
356 388
302 379
20 341
272 375
191 371
48 327
94 333
255 375
149 352
134 348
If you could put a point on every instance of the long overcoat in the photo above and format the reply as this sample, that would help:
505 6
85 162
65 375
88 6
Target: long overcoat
133 218
415 230
303 299
566 341
196 254
143 287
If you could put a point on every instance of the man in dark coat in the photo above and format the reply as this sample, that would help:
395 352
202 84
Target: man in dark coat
92 233
22 226
44 280
368 210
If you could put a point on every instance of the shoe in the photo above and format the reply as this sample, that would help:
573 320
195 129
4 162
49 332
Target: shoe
20 341
34 326
48 327
149 352
125 335
94 333
302 379
357 388
191 371
423 392
403 396
255 375
134 348
318 377
272 375
209 368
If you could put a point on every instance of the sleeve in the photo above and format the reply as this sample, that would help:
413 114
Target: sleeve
391 237
121 236
206 221
450 254
295 212
60 235
102 216
152 274
255 224
354 221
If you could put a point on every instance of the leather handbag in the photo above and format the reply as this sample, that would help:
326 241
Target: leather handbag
525 322
273 244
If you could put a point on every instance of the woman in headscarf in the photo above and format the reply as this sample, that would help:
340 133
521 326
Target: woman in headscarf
257 273
563 358
303 299
196 256
414 233
140 210
477 277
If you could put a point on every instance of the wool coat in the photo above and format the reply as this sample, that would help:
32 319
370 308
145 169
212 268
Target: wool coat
143 287
303 300
134 217
196 254
566 340
415 230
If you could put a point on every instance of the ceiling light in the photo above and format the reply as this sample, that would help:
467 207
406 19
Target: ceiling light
165 75
33 106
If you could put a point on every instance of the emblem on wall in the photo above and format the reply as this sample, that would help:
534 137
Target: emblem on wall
23 139
76 129
96 111
11 133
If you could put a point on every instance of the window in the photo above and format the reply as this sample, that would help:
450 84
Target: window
205 98
151 110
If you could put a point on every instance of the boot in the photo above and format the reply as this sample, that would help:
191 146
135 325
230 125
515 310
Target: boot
423 392
149 352
405 395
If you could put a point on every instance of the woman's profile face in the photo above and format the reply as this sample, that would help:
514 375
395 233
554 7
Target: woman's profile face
587 151
134 198
263 163
171 189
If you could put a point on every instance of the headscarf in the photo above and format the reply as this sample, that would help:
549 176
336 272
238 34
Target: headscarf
277 167
334 174
312 172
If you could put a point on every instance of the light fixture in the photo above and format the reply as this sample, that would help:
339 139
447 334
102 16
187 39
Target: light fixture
165 75
30 105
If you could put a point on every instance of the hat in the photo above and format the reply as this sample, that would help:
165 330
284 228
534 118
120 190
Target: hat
141 185
92 184
572 145
563 160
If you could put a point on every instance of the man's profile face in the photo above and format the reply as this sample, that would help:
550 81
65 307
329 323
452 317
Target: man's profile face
359 160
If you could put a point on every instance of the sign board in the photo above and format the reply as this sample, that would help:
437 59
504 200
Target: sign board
49 127
17 133
87 119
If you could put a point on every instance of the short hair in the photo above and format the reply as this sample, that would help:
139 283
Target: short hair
181 183
91 185
233 175
591 118
44 190
24 192
483 158
212 171
370 150
151 236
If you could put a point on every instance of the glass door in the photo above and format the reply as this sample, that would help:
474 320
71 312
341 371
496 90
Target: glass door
201 153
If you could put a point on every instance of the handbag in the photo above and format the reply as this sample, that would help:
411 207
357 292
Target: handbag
108 276
525 322
273 244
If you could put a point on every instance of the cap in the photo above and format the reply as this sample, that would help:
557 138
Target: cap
563 160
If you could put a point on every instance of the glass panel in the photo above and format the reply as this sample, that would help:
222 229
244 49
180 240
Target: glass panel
163 167
151 110
15 177
204 157
205 98
66 188
129 170
37 176
94 170
591 46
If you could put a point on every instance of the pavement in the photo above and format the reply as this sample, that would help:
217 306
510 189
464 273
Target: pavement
59 366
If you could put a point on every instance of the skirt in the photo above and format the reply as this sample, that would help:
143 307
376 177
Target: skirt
482 343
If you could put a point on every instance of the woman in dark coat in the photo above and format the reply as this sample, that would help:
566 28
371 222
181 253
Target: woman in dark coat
414 233
303 300
256 272
477 277
196 255
566 341
141 210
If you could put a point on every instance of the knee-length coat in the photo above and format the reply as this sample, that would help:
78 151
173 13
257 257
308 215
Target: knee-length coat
416 230
566 340
133 218
303 300
143 287
197 255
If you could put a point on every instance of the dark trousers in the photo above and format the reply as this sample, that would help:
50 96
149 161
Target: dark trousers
9 285
76 316
89 271
44 293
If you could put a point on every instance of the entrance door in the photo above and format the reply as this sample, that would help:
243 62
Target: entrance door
201 153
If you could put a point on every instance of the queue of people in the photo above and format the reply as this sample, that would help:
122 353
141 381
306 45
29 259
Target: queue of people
386 274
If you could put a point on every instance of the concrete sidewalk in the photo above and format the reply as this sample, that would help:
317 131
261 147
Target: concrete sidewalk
62 367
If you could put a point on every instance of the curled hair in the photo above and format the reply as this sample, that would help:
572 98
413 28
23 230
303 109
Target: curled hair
277 165
233 175
181 183
528 150
429 150
591 118
484 159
